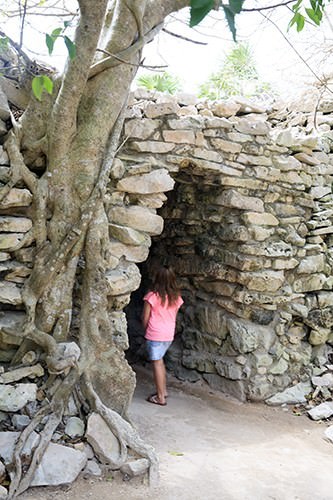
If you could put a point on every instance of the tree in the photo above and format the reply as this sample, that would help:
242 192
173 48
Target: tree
71 127
163 82
238 76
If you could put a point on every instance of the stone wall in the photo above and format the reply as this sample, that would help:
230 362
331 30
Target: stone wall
246 223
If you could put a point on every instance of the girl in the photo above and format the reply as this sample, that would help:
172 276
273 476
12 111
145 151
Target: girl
160 309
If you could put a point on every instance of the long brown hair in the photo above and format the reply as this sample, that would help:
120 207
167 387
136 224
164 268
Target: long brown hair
164 283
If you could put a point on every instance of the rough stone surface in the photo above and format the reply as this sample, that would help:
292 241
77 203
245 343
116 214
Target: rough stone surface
102 440
59 465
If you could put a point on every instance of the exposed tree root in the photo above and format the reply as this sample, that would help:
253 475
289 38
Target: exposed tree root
124 431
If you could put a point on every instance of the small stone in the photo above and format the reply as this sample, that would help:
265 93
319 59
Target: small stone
74 427
14 398
20 422
135 468
322 411
92 469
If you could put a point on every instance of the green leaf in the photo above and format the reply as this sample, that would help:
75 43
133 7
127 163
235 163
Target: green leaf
67 24
176 453
70 47
56 32
49 43
199 10
236 6
47 84
37 87
297 5
300 20
230 16
314 16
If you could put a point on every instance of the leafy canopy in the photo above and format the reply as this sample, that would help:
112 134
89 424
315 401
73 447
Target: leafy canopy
303 11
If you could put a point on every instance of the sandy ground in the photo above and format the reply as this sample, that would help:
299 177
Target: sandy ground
213 448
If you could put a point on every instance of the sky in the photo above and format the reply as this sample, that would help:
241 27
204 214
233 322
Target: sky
271 42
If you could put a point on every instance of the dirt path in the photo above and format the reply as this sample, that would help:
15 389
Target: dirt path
214 448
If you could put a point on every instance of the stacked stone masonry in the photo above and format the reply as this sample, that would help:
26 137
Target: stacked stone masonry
241 206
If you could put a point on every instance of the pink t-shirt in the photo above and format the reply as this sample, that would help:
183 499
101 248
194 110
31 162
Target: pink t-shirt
162 319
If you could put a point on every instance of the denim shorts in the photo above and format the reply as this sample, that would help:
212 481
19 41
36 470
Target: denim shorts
156 349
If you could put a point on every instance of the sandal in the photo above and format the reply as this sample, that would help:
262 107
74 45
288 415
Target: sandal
154 399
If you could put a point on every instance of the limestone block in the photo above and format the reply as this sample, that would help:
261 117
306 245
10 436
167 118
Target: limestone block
187 123
322 411
14 398
123 280
320 336
269 249
9 241
265 173
262 281
233 199
179 136
139 218
244 183
10 293
152 200
130 252
141 129
279 367
311 264
187 111
59 465
156 181
164 108
254 160
8 441
19 373
320 191
260 219
203 167
135 468
74 427
262 359
227 146
20 421
325 380
155 147
285 163
102 440
15 224
309 159
185 99
229 368
212 320
309 283
16 198
4 256
237 137
225 109
251 127
258 233
127 235
291 395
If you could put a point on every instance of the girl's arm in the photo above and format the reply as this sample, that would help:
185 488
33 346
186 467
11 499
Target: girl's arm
145 314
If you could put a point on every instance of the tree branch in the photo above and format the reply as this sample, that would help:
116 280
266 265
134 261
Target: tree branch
63 121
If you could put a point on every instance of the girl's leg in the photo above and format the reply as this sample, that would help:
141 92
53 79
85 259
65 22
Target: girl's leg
160 379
